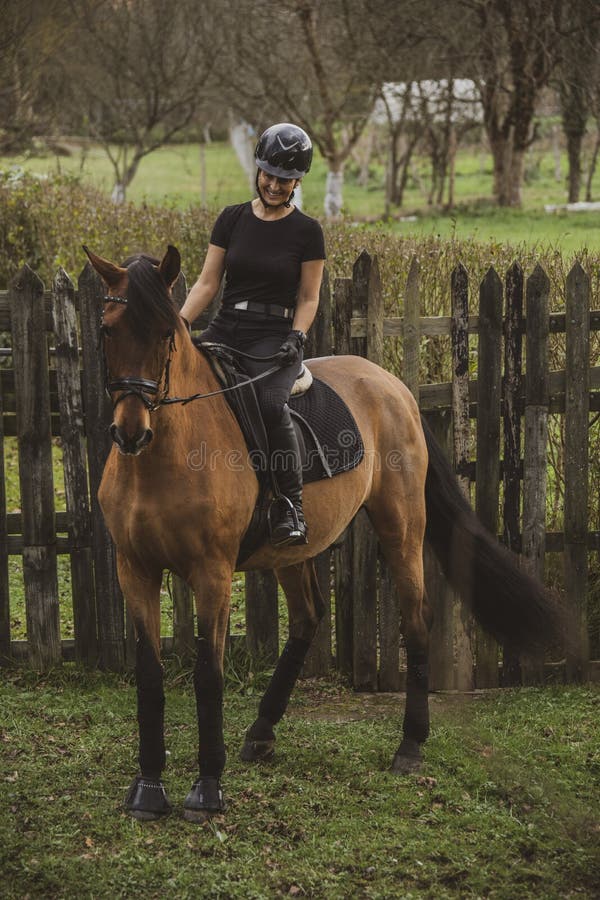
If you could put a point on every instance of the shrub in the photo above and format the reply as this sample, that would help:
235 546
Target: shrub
44 222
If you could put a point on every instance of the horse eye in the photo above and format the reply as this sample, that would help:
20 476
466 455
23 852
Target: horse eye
106 330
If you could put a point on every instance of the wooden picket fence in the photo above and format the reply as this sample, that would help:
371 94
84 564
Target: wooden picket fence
55 389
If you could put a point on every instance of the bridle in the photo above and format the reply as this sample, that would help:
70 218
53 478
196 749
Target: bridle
147 390
155 394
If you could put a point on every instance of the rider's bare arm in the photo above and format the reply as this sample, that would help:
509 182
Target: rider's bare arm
308 294
205 289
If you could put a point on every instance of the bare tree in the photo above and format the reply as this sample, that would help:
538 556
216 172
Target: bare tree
595 112
142 68
33 35
577 80
304 60
515 53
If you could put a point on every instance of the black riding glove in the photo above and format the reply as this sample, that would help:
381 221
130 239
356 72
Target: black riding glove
289 352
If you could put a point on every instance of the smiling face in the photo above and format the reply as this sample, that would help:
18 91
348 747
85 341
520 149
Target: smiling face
276 191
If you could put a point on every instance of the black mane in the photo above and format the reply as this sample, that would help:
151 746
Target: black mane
149 306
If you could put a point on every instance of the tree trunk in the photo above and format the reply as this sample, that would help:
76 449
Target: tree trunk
592 169
574 142
239 137
452 147
517 170
556 151
124 179
501 147
334 193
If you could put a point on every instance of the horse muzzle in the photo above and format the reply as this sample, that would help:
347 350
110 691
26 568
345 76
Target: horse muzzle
130 445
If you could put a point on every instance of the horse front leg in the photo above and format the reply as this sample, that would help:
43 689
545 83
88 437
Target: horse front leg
305 609
147 798
205 798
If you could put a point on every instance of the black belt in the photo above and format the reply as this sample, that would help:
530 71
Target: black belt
267 309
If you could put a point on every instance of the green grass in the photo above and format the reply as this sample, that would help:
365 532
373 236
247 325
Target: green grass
171 176
505 807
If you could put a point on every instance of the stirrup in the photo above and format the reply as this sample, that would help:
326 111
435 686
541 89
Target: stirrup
296 535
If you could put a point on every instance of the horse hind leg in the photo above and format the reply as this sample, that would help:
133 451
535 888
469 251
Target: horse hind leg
401 539
305 608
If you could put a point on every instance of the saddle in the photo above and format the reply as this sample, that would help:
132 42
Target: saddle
329 439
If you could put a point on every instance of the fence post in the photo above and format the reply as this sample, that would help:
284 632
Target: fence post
68 377
537 398
577 405
318 659
461 434
32 392
262 615
513 357
366 303
389 602
487 477
411 331
342 554
441 595
109 600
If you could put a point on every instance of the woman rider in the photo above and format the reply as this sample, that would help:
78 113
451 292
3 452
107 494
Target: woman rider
272 256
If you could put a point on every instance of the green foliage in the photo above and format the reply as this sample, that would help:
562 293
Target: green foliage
505 806
44 221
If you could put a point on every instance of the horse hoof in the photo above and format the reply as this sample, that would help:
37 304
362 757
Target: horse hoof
147 800
204 801
257 751
405 765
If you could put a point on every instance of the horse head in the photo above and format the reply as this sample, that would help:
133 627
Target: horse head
139 321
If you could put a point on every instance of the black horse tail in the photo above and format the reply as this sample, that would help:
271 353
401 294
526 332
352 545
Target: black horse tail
506 601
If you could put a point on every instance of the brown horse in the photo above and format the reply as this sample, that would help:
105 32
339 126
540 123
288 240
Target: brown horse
165 514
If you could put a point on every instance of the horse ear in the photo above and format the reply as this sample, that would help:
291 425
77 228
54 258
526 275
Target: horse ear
109 272
170 266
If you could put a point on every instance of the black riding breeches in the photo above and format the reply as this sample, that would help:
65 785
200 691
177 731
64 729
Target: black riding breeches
259 336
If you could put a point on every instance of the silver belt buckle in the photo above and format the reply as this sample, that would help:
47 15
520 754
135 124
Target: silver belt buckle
243 304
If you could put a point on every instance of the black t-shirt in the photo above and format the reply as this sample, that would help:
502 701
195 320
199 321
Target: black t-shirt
263 260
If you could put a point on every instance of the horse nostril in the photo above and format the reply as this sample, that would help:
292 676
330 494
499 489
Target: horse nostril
146 438
116 434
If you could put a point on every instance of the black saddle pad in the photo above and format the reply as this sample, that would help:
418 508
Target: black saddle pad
323 415
328 435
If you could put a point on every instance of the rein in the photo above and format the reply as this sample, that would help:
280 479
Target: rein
142 387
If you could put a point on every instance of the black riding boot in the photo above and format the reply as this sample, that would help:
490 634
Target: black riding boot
286 518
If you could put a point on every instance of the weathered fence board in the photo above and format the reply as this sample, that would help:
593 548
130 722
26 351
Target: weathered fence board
459 292
320 343
366 293
487 483
411 343
536 438
576 467
512 392
109 600
262 615
74 465
366 616
30 354
439 593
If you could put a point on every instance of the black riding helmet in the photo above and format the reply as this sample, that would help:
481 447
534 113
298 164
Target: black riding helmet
284 150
